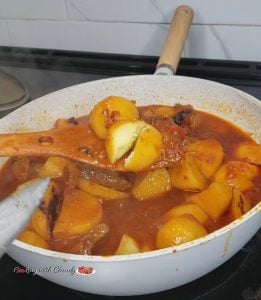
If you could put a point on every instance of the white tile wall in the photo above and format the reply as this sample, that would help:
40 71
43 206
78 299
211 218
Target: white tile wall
224 42
225 29
90 36
4 36
161 11
33 9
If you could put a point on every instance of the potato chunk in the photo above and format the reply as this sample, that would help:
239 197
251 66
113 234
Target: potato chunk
146 150
179 230
145 140
110 110
208 154
39 221
186 209
151 184
99 190
249 152
32 238
79 214
53 167
239 204
214 200
237 174
187 176
127 245
121 137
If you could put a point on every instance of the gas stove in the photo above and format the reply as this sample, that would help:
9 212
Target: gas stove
36 72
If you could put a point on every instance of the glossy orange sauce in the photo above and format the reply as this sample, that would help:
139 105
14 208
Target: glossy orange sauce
142 219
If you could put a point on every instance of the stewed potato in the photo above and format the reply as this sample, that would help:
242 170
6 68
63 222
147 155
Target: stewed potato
208 154
186 209
127 245
214 200
187 175
149 185
179 230
240 204
249 152
121 137
144 140
110 110
146 150
100 190
33 239
237 174
79 214
53 167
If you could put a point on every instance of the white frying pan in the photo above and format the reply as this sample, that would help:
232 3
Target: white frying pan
162 269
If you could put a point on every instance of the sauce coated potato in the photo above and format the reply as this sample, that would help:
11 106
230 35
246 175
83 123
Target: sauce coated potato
237 174
208 154
186 209
33 239
250 153
214 200
187 175
179 230
99 190
79 214
151 184
110 110
53 167
127 245
239 204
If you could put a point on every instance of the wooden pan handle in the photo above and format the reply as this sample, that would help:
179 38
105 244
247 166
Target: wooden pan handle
172 51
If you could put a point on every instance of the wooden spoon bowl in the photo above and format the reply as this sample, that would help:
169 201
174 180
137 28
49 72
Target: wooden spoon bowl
77 142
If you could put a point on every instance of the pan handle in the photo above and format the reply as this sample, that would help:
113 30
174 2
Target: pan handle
180 25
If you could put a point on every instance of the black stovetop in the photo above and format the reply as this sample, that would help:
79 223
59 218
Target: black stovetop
44 71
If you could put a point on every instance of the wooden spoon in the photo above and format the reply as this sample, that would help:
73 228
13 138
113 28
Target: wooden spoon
77 142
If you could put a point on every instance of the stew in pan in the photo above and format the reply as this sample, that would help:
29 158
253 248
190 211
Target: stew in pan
209 175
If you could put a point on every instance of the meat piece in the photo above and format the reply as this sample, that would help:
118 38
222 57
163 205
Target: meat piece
163 111
183 116
87 242
54 208
187 118
112 179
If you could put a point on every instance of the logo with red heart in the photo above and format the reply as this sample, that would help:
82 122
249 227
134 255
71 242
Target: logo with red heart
85 270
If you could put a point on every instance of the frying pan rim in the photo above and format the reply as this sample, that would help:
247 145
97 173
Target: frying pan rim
151 76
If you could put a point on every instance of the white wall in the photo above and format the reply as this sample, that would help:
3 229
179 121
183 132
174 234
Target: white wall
224 29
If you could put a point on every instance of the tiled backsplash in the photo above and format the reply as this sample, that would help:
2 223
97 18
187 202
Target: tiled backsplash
224 29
